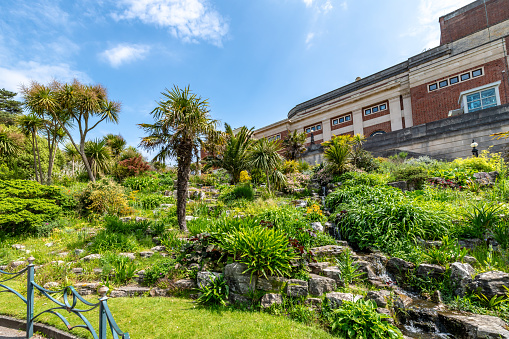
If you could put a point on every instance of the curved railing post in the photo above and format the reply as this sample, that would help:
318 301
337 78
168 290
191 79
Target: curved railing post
103 320
30 297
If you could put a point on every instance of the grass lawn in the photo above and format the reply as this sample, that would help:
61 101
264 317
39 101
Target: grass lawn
151 318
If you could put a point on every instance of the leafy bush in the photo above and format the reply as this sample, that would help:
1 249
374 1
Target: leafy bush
295 181
361 178
359 320
265 251
106 241
413 175
123 266
159 270
151 201
131 167
450 251
480 219
486 162
28 205
460 176
103 197
138 228
142 183
423 161
214 293
347 267
244 191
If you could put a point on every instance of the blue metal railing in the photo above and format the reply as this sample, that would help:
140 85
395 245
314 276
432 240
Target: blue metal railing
69 303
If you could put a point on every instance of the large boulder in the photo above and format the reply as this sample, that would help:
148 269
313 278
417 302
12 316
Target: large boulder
238 281
296 288
470 326
205 278
366 269
490 284
399 267
270 299
461 277
334 273
328 251
317 267
336 299
319 285
430 271
379 297
270 283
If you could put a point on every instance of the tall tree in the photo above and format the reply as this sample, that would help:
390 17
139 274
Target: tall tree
294 145
71 152
11 141
234 156
181 119
116 143
98 155
76 104
9 108
264 155
30 125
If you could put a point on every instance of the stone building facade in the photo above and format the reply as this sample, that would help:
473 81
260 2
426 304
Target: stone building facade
468 72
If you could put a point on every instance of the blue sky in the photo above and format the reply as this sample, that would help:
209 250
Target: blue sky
253 59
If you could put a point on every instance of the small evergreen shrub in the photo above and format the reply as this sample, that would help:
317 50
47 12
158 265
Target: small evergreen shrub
413 175
103 197
142 183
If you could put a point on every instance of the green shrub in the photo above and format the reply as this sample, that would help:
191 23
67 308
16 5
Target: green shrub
159 270
106 241
103 197
361 178
414 175
141 183
123 266
242 191
113 224
359 320
151 201
214 293
28 205
480 219
265 251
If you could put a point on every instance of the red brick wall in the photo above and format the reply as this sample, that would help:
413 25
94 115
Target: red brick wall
317 142
315 133
377 114
473 20
341 125
432 106
384 126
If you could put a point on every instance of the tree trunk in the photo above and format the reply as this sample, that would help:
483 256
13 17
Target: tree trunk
38 159
268 180
85 161
35 158
51 158
184 158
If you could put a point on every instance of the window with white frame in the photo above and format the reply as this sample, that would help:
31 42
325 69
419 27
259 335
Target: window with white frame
480 98
342 119
313 128
375 109
274 137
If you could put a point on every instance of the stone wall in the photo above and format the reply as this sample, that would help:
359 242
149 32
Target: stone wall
448 138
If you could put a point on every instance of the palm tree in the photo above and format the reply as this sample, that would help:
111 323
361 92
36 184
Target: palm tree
337 153
10 141
72 153
30 125
294 145
234 156
264 155
84 106
181 119
98 156
116 143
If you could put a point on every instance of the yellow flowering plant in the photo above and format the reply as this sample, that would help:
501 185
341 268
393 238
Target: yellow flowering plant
314 213
244 176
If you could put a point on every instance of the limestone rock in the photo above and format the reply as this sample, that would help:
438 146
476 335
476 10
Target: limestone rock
239 282
158 292
329 250
270 299
317 226
146 254
77 270
49 244
131 256
270 283
235 298
333 273
379 297
336 298
402 302
319 285
18 247
472 326
490 283
158 248
204 278
185 284
402 185
297 288
51 285
18 263
470 260
461 277
399 267
139 219
366 269
91 257
129 291
78 251
87 288
318 267
431 271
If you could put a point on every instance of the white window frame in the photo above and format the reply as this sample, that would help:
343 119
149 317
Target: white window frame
463 95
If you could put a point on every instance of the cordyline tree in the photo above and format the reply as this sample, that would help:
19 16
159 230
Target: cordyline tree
181 121
73 105
294 145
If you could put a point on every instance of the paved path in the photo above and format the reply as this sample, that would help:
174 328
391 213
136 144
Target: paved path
8 333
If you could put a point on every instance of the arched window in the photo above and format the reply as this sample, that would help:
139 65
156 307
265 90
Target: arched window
377 133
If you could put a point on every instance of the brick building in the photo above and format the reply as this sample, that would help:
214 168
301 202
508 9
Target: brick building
468 72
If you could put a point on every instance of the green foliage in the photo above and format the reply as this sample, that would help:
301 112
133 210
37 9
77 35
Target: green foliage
500 233
103 197
9 108
244 191
347 267
264 250
143 183
337 152
359 319
152 201
139 228
384 218
414 175
171 240
106 241
480 219
131 167
486 162
450 251
495 302
361 178
28 205
159 270
123 266
214 293
461 176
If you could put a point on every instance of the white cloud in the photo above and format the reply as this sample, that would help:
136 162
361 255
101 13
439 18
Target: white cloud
124 53
309 38
344 5
428 12
308 2
189 20
12 78
327 6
